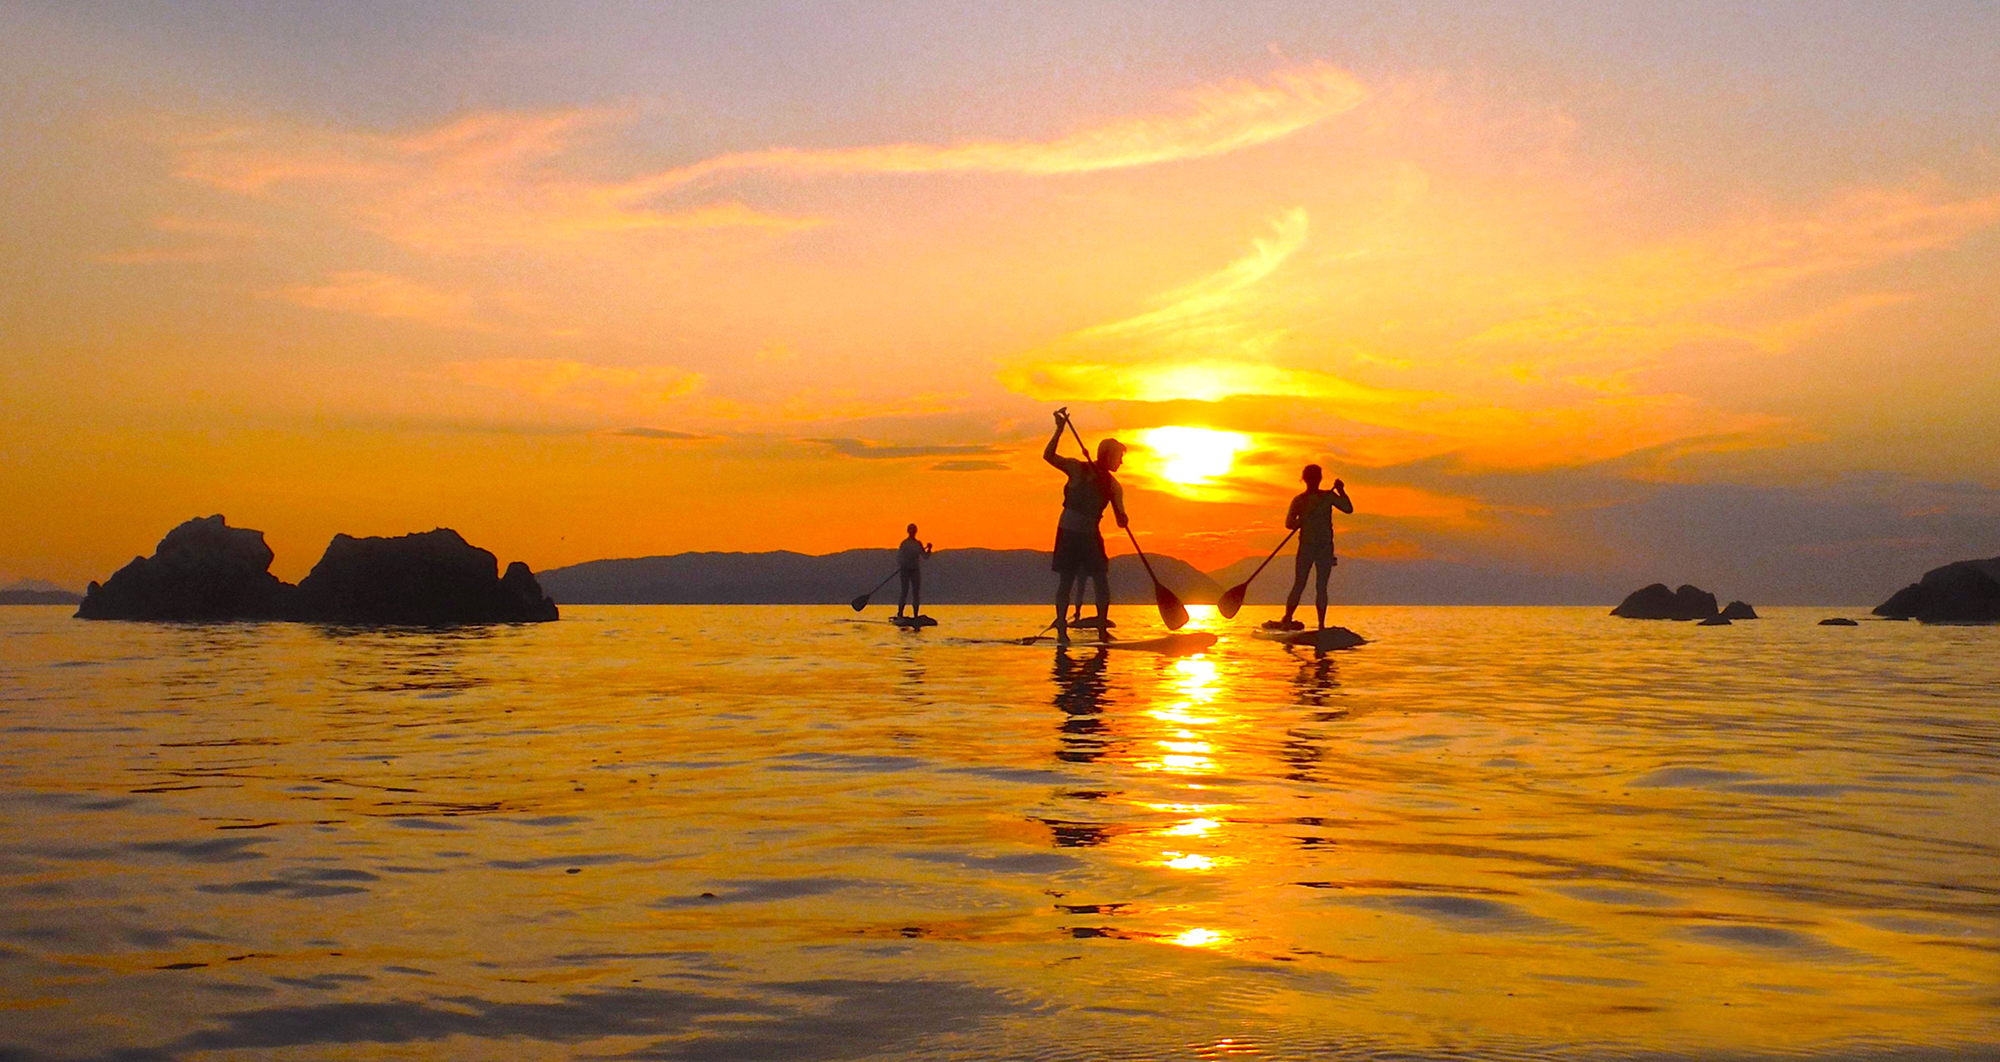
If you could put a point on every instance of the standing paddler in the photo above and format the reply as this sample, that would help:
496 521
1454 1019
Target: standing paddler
1079 543
1311 515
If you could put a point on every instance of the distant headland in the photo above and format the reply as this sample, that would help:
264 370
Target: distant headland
206 570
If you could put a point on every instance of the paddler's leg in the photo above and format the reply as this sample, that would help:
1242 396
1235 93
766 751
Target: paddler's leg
917 595
1100 570
1322 567
1301 566
1064 581
902 589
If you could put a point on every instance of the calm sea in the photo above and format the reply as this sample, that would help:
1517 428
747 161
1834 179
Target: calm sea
781 833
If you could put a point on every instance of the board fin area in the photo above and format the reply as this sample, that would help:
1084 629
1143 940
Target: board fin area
1323 640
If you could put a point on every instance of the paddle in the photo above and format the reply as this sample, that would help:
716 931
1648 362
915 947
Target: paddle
861 602
1232 598
1172 612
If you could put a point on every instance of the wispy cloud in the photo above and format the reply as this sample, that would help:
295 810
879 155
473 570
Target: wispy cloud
484 181
662 433
385 296
863 448
1214 120
969 466
605 389
495 179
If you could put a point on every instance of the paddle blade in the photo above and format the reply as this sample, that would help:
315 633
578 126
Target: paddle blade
1172 612
860 603
1231 600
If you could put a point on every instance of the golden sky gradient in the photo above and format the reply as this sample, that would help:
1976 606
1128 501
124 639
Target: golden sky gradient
1546 287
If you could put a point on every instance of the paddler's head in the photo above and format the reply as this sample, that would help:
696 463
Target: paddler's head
1312 475
913 530
1110 454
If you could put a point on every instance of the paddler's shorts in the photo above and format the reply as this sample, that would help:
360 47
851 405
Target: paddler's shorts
1079 552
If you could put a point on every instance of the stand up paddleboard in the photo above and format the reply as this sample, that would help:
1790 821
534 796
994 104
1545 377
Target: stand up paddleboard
912 622
1330 638
1170 644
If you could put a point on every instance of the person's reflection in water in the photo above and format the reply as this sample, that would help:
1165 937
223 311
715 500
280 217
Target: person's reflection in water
1081 686
1304 747
1082 690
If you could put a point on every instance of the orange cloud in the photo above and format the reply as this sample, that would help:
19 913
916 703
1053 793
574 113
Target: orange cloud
1214 120
382 295
604 389
485 181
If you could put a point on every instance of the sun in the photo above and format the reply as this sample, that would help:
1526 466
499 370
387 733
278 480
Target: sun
1195 455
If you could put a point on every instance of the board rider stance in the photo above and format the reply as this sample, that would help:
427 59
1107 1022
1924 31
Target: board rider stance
1311 515
910 555
1079 543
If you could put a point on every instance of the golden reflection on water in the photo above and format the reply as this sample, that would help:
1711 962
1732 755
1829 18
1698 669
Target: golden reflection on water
708 832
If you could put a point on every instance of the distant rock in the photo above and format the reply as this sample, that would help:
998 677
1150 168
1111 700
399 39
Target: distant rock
207 570
1658 602
1838 621
1738 610
203 570
39 597
1714 621
425 580
1964 592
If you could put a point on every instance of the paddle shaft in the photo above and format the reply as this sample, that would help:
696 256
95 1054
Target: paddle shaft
1269 559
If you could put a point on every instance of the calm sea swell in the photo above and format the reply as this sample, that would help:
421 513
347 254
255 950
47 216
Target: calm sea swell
752 832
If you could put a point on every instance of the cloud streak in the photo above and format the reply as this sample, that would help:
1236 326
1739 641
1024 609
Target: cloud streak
1214 120
867 450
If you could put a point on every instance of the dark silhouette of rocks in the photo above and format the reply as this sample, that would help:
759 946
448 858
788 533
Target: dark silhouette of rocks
39 597
207 570
424 579
1838 621
1738 610
1658 602
1963 592
202 570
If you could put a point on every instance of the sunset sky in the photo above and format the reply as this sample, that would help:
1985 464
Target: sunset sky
1679 292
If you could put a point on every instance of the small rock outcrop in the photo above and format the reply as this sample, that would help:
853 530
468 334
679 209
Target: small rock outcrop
1738 610
203 570
1658 602
425 579
206 570
1838 621
1964 592
1714 621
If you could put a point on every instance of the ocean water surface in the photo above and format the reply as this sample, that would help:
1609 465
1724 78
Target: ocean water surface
788 833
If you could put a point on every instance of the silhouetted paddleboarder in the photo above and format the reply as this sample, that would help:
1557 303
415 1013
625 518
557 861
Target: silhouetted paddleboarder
1079 544
1311 515
910 555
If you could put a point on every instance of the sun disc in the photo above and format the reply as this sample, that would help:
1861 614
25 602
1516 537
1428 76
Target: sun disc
1193 455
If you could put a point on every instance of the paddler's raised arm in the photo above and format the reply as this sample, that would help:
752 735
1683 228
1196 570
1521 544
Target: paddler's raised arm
1340 500
1049 452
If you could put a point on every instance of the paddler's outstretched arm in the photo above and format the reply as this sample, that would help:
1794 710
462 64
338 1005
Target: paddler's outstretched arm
1118 501
1049 452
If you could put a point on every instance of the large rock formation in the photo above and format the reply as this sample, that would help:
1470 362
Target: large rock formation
1658 602
1738 610
203 570
431 578
207 570
1964 592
